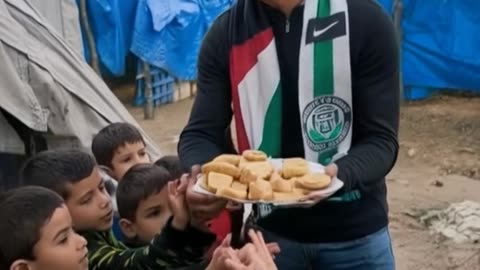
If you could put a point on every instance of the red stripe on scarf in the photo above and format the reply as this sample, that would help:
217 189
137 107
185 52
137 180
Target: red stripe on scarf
242 59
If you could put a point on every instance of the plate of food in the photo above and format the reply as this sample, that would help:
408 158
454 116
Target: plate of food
254 178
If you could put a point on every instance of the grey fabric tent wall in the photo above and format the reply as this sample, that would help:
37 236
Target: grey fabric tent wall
63 16
48 86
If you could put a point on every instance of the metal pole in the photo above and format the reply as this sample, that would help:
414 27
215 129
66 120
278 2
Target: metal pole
149 109
397 20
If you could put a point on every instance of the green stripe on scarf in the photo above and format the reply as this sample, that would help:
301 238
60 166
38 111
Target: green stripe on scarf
323 72
272 128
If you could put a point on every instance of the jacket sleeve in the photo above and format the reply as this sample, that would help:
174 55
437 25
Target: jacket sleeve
204 137
170 249
375 105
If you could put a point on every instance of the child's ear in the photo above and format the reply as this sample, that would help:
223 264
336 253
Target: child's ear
107 170
20 265
128 228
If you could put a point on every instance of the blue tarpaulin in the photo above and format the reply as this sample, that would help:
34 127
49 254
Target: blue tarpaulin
440 44
439 37
112 26
168 33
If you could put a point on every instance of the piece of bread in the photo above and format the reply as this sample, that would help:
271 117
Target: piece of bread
246 176
275 175
221 167
287 196
254 155
281 185
215 181
260 190
239 186
203 184
243 162
232 159
314 181
294 167
232 193
301 191
262 169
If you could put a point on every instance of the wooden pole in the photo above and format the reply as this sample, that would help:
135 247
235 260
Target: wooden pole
397 20
90 39
149 109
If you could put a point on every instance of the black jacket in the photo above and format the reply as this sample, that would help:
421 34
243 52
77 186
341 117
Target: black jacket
375 103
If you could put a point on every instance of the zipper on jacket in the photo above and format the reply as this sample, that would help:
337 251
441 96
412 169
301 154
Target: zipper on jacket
287 25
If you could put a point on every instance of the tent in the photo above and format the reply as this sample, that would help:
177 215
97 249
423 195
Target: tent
50 98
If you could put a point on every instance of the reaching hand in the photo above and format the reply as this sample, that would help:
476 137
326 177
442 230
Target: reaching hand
177 201
203 208
254 256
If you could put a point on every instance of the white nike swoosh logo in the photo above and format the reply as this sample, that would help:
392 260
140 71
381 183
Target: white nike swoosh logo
317 33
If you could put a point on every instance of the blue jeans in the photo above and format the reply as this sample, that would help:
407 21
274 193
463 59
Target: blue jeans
373 252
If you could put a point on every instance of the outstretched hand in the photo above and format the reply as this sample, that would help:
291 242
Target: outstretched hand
177 201
203 208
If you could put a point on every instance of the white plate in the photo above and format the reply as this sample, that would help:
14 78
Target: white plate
334 186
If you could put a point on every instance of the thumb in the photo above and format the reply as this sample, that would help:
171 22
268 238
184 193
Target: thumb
192 179
331 170
182 184
227 240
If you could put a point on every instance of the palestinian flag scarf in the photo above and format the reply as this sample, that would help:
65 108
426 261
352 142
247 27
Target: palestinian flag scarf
324 84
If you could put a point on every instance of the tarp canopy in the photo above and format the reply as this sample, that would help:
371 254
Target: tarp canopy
440 43
47 86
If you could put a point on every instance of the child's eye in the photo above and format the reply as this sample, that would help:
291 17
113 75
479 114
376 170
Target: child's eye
143 154
154 214
125 160
86 200
64 239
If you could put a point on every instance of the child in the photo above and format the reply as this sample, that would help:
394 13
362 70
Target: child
118 147
142 198
37 232
75 176
172 164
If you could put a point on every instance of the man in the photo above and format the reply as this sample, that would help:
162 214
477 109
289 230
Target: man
315 79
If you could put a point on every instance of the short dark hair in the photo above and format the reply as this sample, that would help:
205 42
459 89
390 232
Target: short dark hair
23 213
140 182
57 169
110 138
172 164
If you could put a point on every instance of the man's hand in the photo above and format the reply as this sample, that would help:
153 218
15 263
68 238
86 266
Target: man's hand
203 208
331 170
177 201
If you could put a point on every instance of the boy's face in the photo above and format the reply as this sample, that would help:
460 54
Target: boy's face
151 216
126 156
59 247
89 204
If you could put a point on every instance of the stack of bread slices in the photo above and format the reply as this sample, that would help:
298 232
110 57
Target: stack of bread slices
252 177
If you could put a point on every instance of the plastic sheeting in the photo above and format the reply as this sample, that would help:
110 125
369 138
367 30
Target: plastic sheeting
168 33
440 44
112 26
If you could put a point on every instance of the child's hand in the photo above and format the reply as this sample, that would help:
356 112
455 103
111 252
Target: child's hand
203 207
178 205
220 256
254 256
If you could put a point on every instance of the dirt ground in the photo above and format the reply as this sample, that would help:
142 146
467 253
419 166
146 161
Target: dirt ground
439 163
